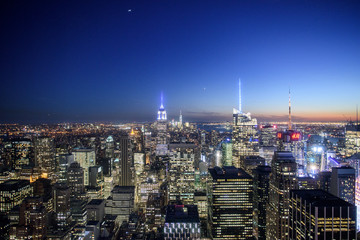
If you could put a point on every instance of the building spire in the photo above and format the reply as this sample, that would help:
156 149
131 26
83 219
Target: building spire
162 101
240 110
289 124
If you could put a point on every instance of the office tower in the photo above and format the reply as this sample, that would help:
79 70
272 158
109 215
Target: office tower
62 206
86 158
182 222
121 202
45 155
316 214
261 197
96 177
282 180
343 183
231 208
64 163
75 180
96 210
32 220
201 201
307 183
110 148
217 158
12 193
352 139
153 211
245 137
108 186
78 212
267 142
43 188
126 162
17 153
162 139
324 181
315 159
226 152
139 163
181 172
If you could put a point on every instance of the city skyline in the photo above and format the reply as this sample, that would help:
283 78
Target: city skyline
83 62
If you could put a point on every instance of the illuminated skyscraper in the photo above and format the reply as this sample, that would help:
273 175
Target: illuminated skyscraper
18 152
231 208
261 197
316 214
75 180
226 153
182 173
86 158
45 155
245 137
343 183
161 129
62 206
126 177
12 193
352 139
282 180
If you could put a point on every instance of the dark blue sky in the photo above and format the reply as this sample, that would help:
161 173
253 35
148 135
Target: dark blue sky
110 60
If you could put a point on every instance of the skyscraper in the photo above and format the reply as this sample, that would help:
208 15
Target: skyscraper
126 162
316 214
245 137
86 158
62 206
282 180
231 208
75 180
342 183
261 197
161 131
45 155
182 173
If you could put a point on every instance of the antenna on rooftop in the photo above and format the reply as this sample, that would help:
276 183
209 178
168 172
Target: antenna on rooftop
289 124
240 111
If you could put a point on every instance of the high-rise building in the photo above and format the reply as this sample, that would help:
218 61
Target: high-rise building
121 202
18 152
62 206
96 210
162 139
45 155
75 180
64 163
182 173
343 183
86 158
226 152
352 139
316 214
282 180
182 222
324 181
32 220
245 138
231 208
12 193
110 148
261 197
126 177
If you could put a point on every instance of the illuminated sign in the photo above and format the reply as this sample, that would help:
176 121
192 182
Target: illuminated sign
295 136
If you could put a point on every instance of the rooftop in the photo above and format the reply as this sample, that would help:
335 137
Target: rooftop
182 214
228 172
320 198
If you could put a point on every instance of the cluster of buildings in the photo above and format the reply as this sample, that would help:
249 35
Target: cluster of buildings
177 180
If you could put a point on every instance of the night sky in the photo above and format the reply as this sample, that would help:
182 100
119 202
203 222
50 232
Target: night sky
110 60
